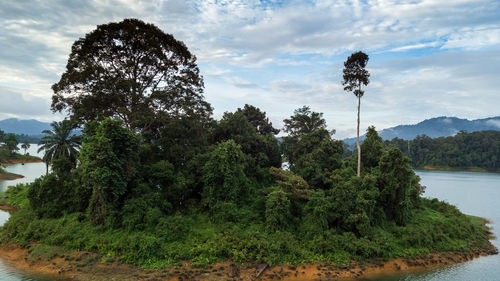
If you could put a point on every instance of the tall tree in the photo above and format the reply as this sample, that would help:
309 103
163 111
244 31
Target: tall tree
355 75
133 71
59 142
25 146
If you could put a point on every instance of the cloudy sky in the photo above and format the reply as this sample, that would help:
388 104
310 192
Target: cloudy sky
428 58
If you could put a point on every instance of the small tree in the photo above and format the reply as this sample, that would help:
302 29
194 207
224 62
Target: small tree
355 75
59 142
25 146
11 141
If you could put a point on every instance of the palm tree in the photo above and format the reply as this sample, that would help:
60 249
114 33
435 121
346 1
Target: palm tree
355 75
59 142
25 146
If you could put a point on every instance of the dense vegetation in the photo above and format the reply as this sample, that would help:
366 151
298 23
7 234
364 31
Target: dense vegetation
158 181
462 151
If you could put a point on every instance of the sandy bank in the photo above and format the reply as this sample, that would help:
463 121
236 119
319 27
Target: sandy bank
90 266
18 161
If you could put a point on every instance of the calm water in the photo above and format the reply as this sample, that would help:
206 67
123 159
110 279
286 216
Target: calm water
30 171
473 193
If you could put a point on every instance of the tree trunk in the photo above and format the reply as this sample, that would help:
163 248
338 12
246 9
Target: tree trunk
357 139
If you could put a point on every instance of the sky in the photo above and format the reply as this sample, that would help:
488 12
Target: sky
428 58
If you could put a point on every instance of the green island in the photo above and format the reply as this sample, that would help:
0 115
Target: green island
8 154
155 182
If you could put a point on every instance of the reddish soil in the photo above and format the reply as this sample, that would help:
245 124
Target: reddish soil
90 266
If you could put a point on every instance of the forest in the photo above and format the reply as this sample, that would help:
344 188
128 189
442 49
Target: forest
155 180
480 150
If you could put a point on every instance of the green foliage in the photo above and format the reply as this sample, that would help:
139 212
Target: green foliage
395 184
60 142
316 155
371 149
258 120
11 142
224 177
462 151
262 150
355 73
304 121
108 162
278 215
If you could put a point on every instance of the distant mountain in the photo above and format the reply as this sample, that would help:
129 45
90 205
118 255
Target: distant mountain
26 127
436 127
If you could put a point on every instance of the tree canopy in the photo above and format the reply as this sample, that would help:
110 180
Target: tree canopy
133 71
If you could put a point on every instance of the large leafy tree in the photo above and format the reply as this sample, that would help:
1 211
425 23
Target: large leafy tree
304 121
60 142
355 76
133 71
258 119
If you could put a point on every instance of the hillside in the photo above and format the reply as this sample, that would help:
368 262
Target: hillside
23 127
436 127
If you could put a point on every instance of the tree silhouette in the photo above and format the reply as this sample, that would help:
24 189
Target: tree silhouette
133 71
355 75
25 146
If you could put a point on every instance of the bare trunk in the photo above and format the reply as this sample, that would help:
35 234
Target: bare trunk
46 168
357 139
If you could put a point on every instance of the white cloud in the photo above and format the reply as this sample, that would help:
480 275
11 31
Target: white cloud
428 57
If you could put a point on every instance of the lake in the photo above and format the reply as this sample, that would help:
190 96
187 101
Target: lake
473 193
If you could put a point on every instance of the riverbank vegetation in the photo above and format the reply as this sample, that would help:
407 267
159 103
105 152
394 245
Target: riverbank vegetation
476 151
158 181
9 147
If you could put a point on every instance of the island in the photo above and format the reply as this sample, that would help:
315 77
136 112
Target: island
156 189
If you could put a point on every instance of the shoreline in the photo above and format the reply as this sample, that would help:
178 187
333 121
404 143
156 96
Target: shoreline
20 161
6 176
84 265
473 170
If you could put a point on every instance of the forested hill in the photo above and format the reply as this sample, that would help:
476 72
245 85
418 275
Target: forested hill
437 127
462 151
23 127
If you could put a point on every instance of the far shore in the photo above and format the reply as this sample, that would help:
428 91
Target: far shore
471 169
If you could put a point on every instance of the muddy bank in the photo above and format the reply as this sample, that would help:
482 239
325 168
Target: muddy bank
7 208
6 176
91 266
